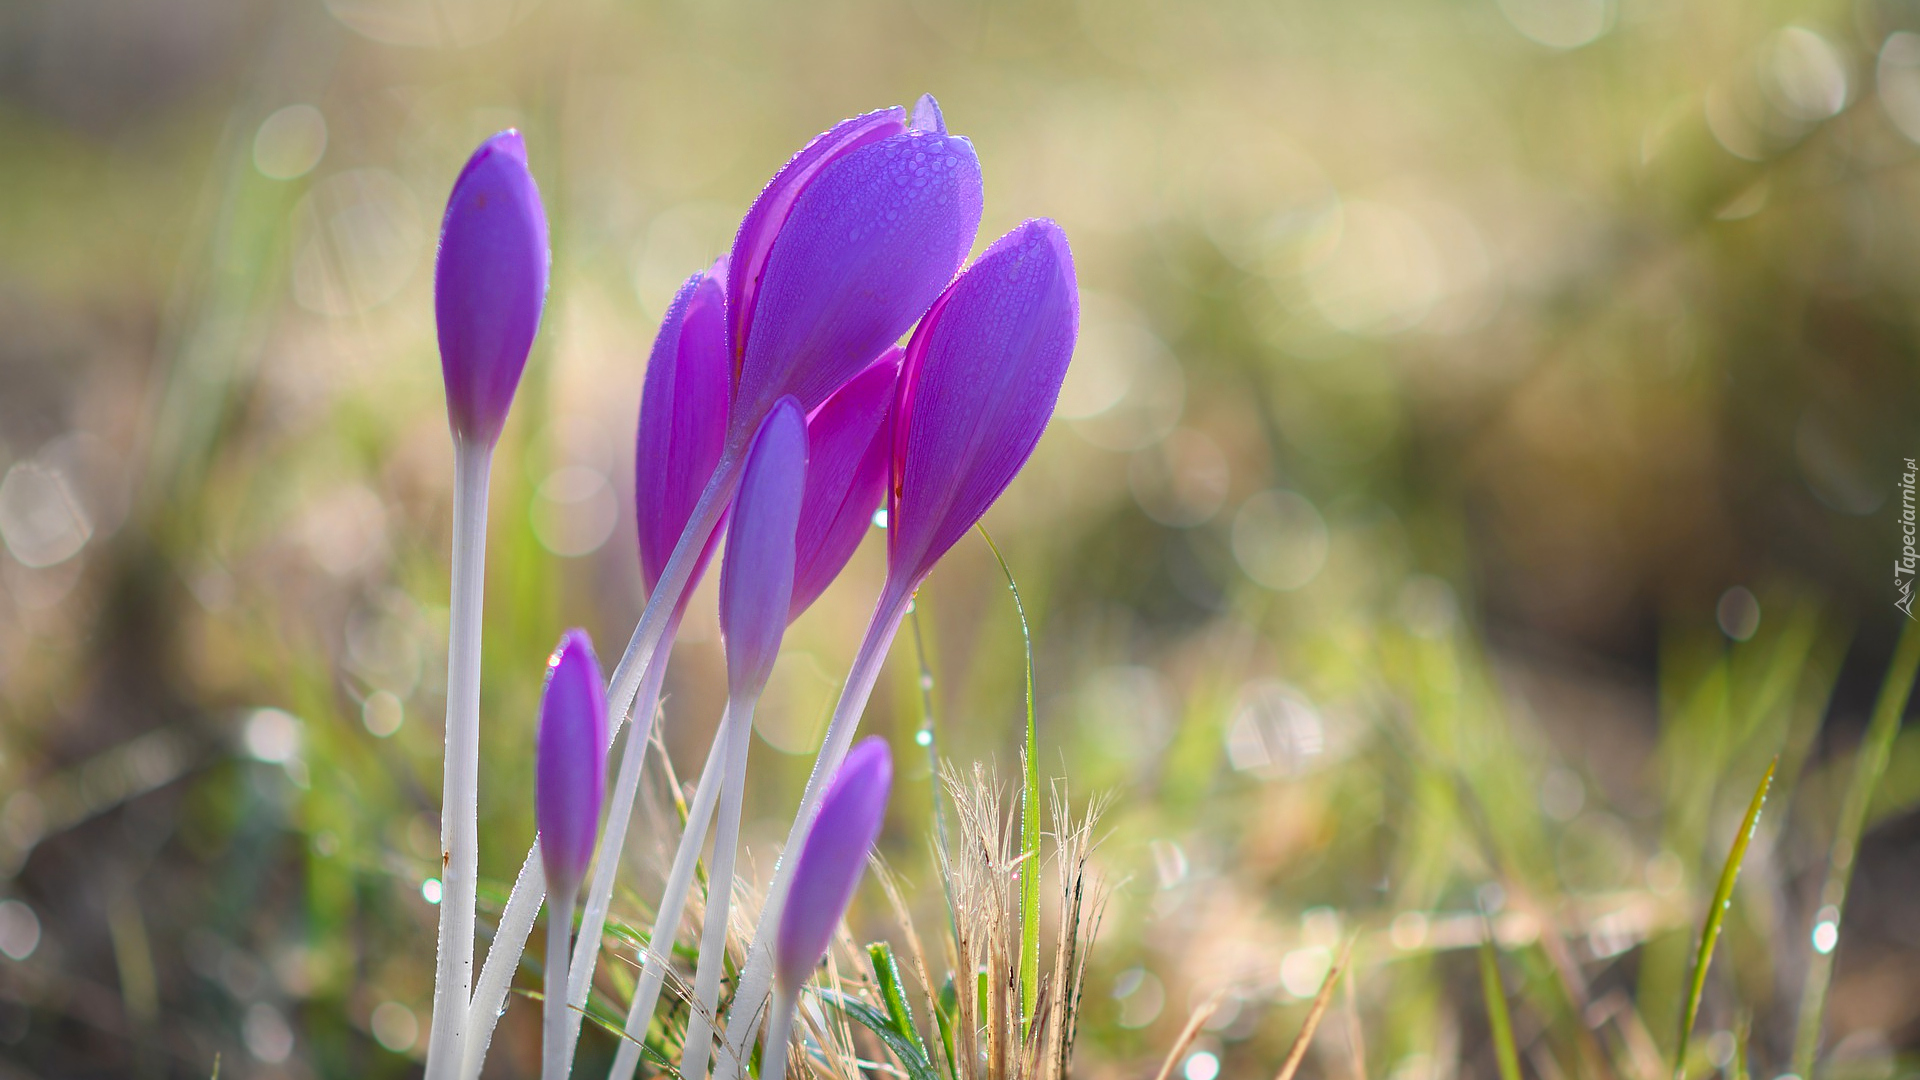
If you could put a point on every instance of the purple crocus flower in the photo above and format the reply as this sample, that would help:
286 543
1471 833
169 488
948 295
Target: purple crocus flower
832 860
683 419
845 248
847 446
756 580
489 285
570 762
978 385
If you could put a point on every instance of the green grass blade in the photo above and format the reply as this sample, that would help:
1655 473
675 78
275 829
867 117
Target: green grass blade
887 970
1498 1019
912 1055
1029 822
1869 763
1716 915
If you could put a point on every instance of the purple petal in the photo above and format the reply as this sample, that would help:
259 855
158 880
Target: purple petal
489 285
756 578
926 116
869 245
848 444
770 211
570 759
683 418
977 388
832 859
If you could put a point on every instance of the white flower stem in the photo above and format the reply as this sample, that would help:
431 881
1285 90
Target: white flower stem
656 957
773 1062
757 977
665 600
460 790
713 932
503 958
554 1057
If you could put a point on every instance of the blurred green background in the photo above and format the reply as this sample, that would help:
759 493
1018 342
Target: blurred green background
1481 458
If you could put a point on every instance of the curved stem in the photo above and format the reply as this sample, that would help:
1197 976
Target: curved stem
713 932
656 956
553 1044
757 977
503 957
460 788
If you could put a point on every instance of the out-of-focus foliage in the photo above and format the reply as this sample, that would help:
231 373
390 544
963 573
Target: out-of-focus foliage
1481 459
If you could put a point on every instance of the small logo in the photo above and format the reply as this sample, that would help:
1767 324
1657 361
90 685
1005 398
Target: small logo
1909 560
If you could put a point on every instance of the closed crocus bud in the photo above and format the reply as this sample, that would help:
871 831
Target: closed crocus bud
756 578
831 861
489 285
683 419
570 761
847 445
845 248
977 387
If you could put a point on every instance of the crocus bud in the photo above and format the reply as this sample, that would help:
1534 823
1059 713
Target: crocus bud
847 444
489 285
977 387
831 860
845 248
756 578
683 419
570 761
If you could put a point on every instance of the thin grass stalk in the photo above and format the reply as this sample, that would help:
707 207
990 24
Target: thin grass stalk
713 933
1190 1032
1499 1019
460 789
1029 810
1315 1014
757 977
1870 762
1716 915
555 1047
656 957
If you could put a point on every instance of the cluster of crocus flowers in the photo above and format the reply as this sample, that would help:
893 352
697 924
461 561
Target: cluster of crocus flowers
777 412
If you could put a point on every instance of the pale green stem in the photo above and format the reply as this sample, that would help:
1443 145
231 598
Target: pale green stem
553 1044
713 932
1869 764
656 956
757 977
773 1062
460 788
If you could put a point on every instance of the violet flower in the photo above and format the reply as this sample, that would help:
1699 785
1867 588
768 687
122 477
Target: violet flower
848 442
845 248
570 784
570 761
977 386
683 419
756 579
824 877
756 586
489 285
979 383
842 251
